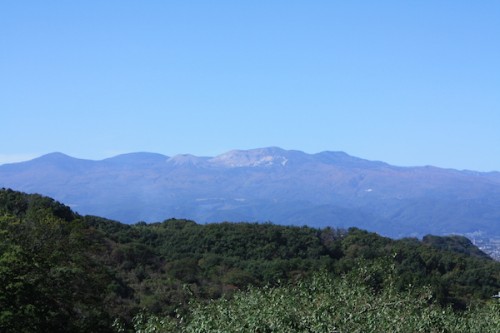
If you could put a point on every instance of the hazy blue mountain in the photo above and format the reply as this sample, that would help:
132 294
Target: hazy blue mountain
268 184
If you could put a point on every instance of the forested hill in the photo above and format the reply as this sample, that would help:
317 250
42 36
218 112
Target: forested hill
60 271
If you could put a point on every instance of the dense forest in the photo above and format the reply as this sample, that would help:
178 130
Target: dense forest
60 271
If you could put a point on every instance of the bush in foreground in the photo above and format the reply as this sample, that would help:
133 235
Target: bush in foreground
364 300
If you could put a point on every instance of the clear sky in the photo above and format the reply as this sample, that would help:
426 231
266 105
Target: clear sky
406 82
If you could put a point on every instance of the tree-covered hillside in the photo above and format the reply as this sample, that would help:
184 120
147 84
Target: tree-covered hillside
60 271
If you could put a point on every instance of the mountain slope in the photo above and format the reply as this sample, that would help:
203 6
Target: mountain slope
268 184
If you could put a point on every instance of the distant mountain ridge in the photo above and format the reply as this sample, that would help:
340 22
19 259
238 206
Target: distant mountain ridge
268 184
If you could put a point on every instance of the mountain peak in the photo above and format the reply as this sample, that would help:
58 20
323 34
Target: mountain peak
55 156
57 160
270 156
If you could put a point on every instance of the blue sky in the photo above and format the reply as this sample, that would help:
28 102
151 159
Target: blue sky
406 82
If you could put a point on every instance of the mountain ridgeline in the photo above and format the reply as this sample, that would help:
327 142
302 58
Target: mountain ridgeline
270 184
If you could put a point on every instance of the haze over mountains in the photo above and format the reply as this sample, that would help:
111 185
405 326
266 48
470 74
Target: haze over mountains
269 184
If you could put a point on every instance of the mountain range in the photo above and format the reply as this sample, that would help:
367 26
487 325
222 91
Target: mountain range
268 184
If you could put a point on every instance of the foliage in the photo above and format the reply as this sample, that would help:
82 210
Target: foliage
60 271
49 279
324 303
